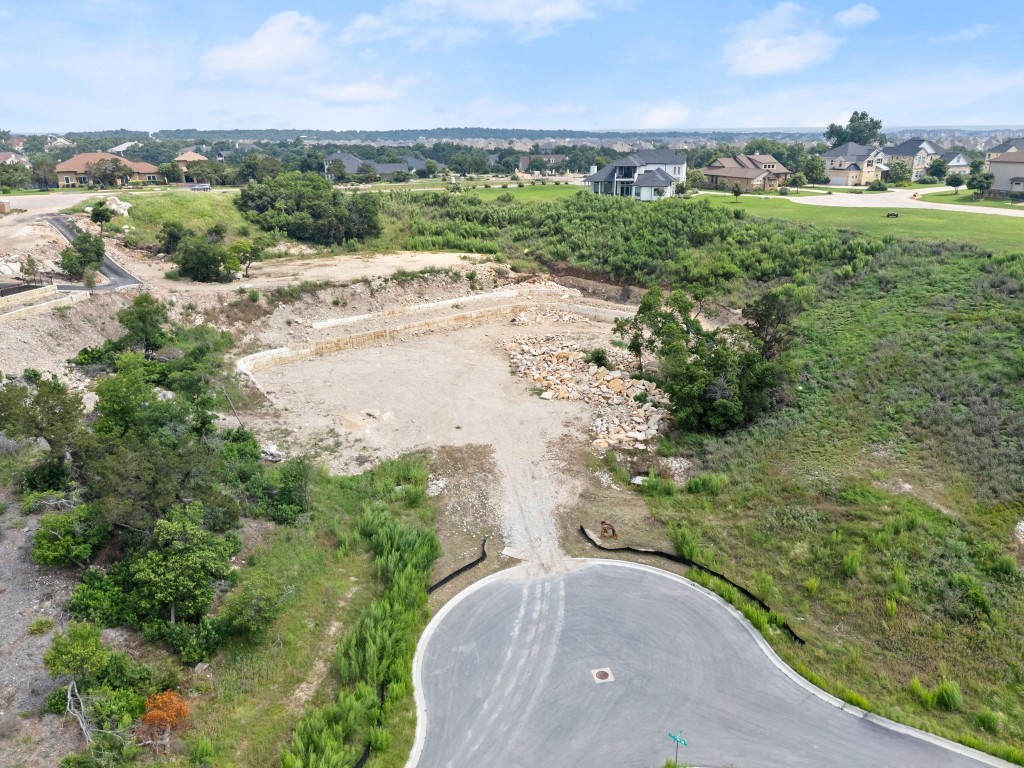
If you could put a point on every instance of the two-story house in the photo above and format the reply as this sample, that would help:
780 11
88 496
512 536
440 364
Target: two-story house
917 153
852 164
1007 170
751 172
647 174
1010 145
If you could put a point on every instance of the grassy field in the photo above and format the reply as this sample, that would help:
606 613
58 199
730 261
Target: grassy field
200 211
967 198
250 710
877 512
995 233
529 193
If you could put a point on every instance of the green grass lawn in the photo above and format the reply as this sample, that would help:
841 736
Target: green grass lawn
967 198
197 210
995 233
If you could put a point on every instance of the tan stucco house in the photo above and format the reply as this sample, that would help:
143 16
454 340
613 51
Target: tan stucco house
76 171
751 172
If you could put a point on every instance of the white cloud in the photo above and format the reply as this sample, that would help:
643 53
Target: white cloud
282 43
665 115
964 35
856 15
783 39
367 28
363 92
452 21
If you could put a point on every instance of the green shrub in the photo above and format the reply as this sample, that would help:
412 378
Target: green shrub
65 538
989 721
40 626
948 696
57 701
850 566
712 484
597 356
811 585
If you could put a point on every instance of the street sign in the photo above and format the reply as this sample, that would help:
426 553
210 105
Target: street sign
678 739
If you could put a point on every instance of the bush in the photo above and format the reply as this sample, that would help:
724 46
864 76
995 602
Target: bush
948 696
598 357
57 701
783 191
86 252
712 484
67 538
40 626
928 180
850 566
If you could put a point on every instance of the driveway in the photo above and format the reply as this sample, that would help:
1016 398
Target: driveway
504 676
116 275
898 198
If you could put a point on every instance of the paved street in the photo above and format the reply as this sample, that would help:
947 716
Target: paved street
505 673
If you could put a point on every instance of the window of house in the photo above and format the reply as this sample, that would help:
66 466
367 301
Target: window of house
151 178
83 179
67 179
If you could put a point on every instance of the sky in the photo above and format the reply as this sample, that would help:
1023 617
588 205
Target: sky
576 64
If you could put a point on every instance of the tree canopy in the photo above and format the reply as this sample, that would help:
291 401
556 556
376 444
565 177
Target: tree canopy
861 129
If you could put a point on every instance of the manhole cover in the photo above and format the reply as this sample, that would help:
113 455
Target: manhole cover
603 675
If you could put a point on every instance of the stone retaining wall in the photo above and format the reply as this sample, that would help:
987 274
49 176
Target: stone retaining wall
25 297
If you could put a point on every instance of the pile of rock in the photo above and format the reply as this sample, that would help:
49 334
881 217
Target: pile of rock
559 368
11 264
548 316
118 206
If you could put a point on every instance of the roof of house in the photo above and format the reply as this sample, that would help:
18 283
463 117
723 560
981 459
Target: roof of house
191 157
951 158
416 164
911 147
1017 179
850 149
1016 158
1009 145
6 158
655 178
81 163
659 156
386 168
744 166
605 174
124 146
350 161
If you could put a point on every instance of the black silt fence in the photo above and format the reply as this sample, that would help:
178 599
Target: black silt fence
692 564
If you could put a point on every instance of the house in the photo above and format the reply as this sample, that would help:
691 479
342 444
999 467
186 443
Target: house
957 162
17 143
751 172
1007 169
1010 145
120 149
917 153
13 158
76 171
852 164
646 174
408 164
57 142
184 158
550 160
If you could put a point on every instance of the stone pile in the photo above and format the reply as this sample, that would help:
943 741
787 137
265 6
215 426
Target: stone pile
559 369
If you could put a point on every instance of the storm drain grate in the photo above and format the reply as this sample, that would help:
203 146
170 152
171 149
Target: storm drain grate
603 675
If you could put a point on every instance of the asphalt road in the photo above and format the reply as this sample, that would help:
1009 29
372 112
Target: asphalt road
117 276
504 678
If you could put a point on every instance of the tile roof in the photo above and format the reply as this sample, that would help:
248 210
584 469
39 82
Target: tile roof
191 157
1009 144
80 163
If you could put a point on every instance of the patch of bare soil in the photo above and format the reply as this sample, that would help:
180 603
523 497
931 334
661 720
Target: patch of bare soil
46 341
462 482
318 671
27 736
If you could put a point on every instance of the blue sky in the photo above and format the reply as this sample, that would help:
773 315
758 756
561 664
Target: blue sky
583 64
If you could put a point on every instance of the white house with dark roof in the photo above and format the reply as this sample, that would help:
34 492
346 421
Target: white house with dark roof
853 164
647 174
917 153
955 161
